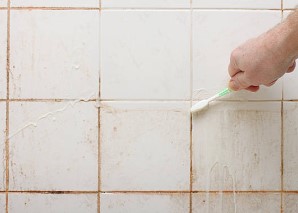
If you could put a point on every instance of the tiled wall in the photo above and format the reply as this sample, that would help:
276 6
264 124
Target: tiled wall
94 109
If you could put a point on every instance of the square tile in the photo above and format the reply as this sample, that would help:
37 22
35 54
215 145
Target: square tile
290 203
290 4
48 203
54 54
213 44
236 146
145 146
230 202
145 55
290 145
53 146
55 3
2 146
145 203
145 3
243 4
3 45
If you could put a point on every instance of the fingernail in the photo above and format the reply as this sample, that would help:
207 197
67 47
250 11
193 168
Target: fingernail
233 85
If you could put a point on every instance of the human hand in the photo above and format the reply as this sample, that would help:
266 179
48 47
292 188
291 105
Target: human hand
263 60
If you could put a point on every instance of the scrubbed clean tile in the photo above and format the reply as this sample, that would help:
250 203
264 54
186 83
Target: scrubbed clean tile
145 55
245 4
236 146
290 4
2 145
3 38
290 146
54 54
145 146
55 3
291 79
146 3
290 203
230 202
57 149
145 203
48 203
213 44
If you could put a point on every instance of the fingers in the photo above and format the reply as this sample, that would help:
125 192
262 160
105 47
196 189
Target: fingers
292 68
238 82
233 68
270 84
253 88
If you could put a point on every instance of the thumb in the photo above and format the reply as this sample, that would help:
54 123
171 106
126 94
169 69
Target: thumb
238 82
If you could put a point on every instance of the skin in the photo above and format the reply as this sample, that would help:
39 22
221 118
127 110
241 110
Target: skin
263 60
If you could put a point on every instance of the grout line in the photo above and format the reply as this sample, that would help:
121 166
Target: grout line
184 8
191 117
55 8
7 108
195 191
50 100
56 192
98 112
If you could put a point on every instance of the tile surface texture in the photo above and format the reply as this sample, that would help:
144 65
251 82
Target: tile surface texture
2 145
145 4
242 4
145 203
3 45
245 203
55 3
54 54
213 44
144 145
290 145
56 148
236 146
145 55
48 203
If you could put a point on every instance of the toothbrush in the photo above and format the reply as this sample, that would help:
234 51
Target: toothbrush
202 104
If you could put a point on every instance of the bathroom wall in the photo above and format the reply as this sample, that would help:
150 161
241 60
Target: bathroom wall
94 109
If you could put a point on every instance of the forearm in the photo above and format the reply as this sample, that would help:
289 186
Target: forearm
291 24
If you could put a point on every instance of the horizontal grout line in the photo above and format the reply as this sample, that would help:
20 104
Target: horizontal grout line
153 192
54 8
143 9
48 100
56 192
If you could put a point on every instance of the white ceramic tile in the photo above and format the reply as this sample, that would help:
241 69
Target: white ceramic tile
49 203
236 146
145 54
290 4
3 3
2 145
55 3
243 4
54 54
244 203
2 202
145 3
145 203
290 203
290 80
214 42
57 149
290 146
3 33
145 146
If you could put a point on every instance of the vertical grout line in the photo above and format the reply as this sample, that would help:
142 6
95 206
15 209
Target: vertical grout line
7 108
98 114
191 118
282 134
